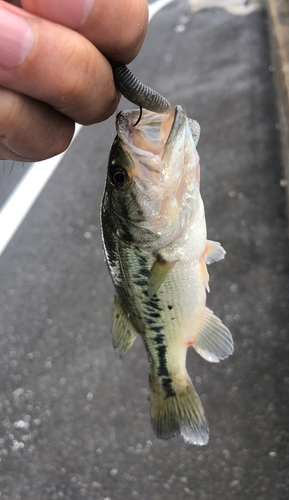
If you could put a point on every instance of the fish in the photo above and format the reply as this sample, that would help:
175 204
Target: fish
156 249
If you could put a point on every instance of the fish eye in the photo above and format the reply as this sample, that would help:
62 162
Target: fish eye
119 177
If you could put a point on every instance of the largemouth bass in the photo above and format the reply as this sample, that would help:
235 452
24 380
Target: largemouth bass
156 249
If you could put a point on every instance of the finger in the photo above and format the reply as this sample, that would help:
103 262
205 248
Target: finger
116 27
56 65
14 2
31 130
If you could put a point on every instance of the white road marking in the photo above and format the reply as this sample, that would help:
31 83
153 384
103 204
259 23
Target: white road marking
24 195
156 6
32 183
235 7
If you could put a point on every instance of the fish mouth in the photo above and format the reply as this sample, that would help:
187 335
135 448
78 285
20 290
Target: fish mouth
161 156
152 140
151 143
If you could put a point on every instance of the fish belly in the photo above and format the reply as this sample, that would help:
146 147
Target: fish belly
170 319
182 300
166 323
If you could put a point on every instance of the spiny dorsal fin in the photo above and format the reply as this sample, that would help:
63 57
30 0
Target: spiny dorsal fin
123 332
195 130
213 341
214 252
159 271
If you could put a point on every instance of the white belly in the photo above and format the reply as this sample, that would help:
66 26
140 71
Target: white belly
182 298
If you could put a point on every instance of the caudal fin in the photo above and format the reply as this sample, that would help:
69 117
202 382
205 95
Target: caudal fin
179 414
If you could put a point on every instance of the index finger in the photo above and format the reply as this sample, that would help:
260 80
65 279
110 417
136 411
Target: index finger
116 27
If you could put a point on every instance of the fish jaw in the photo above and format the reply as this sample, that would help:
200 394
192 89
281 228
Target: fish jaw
165 171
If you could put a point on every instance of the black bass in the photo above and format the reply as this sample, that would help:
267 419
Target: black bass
156 249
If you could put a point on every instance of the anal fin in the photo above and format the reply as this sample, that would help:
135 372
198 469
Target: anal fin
123 332
214 340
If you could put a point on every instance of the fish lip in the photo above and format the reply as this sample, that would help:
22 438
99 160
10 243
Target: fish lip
180 118
123 121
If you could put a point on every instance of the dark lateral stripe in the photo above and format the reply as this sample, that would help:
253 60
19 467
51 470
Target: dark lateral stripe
144 271
152 304
141 282
157 328
162 369
150 321
167 386
159 338
142 261
154 315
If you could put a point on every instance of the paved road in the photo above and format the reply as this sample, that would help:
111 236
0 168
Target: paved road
74 418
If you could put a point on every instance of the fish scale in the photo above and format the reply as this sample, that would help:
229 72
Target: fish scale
149 316
156 249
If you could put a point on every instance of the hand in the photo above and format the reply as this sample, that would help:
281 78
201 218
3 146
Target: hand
55 69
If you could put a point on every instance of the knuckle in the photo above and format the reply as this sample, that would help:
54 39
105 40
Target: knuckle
11 111
88 95
33 129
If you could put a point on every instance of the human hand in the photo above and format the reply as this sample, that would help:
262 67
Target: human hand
55 69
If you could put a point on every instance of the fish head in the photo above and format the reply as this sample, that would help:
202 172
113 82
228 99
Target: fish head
153 177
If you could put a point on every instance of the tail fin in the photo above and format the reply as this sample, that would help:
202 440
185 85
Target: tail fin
178 413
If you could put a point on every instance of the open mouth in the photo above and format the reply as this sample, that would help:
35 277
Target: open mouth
163 163
154 131
153 145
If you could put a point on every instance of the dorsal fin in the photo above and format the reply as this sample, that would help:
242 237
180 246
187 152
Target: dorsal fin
123 332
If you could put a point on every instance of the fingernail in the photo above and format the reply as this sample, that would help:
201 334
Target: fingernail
16 39
70 13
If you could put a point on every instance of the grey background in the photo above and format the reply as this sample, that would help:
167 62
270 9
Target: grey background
74 418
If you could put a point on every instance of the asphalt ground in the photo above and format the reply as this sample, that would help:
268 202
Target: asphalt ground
74 417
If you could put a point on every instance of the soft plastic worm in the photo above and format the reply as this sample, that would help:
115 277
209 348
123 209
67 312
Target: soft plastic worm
138 93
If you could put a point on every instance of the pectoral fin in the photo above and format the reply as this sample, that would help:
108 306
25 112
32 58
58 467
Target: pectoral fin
214 252
159 271
213 341
123 332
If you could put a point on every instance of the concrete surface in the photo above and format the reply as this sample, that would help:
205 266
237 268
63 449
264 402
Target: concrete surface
74 419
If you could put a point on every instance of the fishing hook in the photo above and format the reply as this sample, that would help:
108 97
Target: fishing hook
140 115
